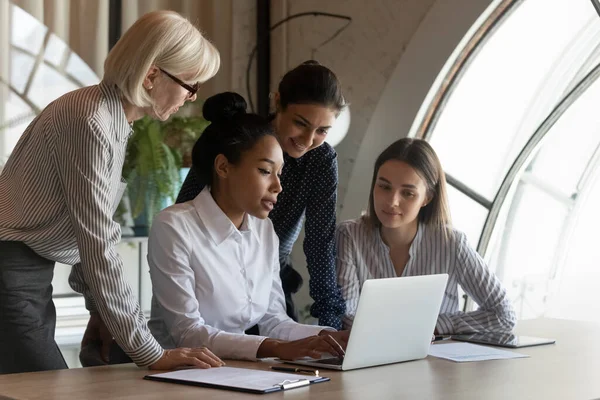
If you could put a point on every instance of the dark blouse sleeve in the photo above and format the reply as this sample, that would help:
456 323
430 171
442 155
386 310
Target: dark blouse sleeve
319 241
190 188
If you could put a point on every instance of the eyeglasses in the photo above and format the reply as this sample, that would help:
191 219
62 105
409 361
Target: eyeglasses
192 89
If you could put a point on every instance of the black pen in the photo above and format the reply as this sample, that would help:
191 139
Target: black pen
314 372
441 337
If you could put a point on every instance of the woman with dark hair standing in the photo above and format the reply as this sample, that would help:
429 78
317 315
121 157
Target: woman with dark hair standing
214 260
308 101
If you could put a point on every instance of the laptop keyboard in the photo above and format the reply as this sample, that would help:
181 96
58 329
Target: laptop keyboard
330 361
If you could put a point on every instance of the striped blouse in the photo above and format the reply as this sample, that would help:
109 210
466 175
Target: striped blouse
58 193
363 255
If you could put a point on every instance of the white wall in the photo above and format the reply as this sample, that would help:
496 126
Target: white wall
433 43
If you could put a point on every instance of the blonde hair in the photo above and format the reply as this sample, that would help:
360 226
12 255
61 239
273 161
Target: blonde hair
166 40
419 155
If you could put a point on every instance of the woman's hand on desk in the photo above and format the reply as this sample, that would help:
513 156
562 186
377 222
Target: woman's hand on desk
312 346
185 357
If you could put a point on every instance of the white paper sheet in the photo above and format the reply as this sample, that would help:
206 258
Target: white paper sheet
465 352
240 378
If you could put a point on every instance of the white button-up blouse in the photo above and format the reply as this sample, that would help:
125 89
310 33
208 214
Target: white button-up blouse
212 281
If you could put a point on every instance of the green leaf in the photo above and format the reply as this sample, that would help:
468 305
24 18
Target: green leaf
155 153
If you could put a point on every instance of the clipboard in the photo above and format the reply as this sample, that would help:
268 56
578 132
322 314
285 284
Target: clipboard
238 379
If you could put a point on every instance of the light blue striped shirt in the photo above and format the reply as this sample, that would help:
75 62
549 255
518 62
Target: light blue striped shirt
362 255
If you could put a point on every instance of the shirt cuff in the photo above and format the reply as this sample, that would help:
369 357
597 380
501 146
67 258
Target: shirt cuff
301 331
90 304
332 320
444 325
147 354
244 347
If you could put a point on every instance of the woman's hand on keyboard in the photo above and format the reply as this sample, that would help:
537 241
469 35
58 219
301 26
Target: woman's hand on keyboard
340 336
312 346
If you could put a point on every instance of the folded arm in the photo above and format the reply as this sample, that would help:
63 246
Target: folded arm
495 312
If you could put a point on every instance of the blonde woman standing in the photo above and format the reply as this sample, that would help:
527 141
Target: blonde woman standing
60 189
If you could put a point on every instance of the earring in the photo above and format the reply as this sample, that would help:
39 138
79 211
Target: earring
150 87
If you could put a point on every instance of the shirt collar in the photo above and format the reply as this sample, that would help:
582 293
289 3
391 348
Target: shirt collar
217 223
249 225
413 246
289 160
122 128
416 243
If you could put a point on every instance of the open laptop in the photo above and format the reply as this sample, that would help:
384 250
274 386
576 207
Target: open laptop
394 322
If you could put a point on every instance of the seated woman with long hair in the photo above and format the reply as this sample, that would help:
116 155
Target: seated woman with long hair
214 260
407 231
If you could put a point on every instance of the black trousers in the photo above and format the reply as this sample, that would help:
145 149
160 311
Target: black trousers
291 282
27 313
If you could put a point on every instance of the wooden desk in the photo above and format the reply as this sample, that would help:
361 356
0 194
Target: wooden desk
567 370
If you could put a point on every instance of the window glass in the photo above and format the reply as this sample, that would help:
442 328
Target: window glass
511 84
468 216
30 86
543 244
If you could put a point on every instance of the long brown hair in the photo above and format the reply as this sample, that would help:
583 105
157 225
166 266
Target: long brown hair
419 155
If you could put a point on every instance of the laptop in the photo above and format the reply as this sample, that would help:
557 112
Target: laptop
394 322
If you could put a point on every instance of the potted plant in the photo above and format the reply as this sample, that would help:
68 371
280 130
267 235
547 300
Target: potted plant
157 160
181 133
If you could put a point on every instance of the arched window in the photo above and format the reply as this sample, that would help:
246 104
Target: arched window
36 67
516 125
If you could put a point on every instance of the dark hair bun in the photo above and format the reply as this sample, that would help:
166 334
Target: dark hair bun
223 106
311 62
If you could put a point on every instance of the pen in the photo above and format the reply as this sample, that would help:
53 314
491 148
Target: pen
441 337
314 372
